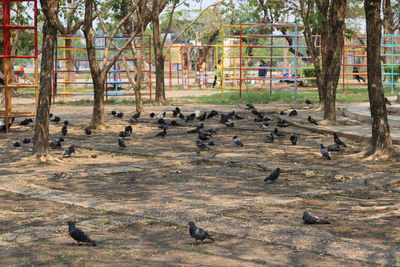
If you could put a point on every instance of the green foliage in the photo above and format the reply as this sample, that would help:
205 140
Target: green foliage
392 69
310 72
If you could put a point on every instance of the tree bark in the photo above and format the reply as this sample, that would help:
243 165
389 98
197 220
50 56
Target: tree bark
70 64
381 142
41 139
158 55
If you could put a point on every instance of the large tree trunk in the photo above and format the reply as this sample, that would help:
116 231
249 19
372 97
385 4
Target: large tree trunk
159 59
41 140
331 50
70 64
381 142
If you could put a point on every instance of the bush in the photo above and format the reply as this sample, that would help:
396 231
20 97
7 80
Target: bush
396 69
310 72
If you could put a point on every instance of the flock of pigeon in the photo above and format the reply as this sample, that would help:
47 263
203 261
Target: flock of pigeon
203 143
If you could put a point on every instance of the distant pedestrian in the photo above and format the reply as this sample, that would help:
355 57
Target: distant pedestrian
357 77
218 73
262 72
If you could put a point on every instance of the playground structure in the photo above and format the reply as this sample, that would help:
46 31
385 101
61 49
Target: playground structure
9 57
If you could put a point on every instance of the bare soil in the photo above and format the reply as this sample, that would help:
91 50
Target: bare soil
156 185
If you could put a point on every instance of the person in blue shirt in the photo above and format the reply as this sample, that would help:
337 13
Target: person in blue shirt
262 72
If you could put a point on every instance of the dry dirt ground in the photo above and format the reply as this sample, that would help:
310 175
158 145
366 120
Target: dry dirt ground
136 202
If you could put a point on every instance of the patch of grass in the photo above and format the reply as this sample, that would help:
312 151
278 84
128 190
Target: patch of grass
111 100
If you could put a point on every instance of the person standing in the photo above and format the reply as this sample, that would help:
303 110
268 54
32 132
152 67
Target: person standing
218 73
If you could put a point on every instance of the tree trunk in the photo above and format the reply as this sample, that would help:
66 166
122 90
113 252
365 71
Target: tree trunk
159 60
70 64
381 142
332 39
41 140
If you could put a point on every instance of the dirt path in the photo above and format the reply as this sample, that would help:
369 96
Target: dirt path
137 201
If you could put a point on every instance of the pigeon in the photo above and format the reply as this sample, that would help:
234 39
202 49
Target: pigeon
213 113
69 151
17 144
293 113
88 131
64 130
211 143
255 112
236 140
121 144
181 116
283 112
128 129
66 123
387 101
119 115
204 136
273 175
278 133
161 115
308 219
56 119
136 116
237 117
60 139
333 148
203 116
201 146
269 138
337 140
282 124
264 125
309 102
79 235
161 121
197 129
211 131
174 123
230 125
177 110
190 117
25 121
250 106
293 139
174 113
152 115
325 152
51 115
224 118
124 134
231 114
113 112
162 134
26 140
55 144
312 121
198 233
198 113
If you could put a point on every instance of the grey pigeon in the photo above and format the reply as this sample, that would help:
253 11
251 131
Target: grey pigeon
250 106
88 131
79 235
163 133
273 175
309 102
312 121
64 130
69 151
198 233
293 139
26 140
56 119
337 140
269 138
308 219
121 144
325 152
333 148
124 134
128 129
264 125
278 133
230 125
211 143
237 141
201 146
17 144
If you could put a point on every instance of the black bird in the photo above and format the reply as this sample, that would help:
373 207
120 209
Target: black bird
211 131
119 115
211 143
61 139
128 129
190 117
264 118
204 136
269 138
162 134
273 175
55 144
203 116
174 113
224 118
197 129
230 125
56 119
181 116
309 102
250 106
121 144
255 112
152 115
387 102
136 116
51 115
325 152
66 123
17 144
113 112
88 131
69 151
283 112
161 121
282 124
79 235
293 139
124 134
174 123
308 219
237 141
64 130
278 133
333 148
201 146
312 121
293 113
178 110
264 125
337 140
231 114
237 117
198 233
26 140
25 121
213 113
